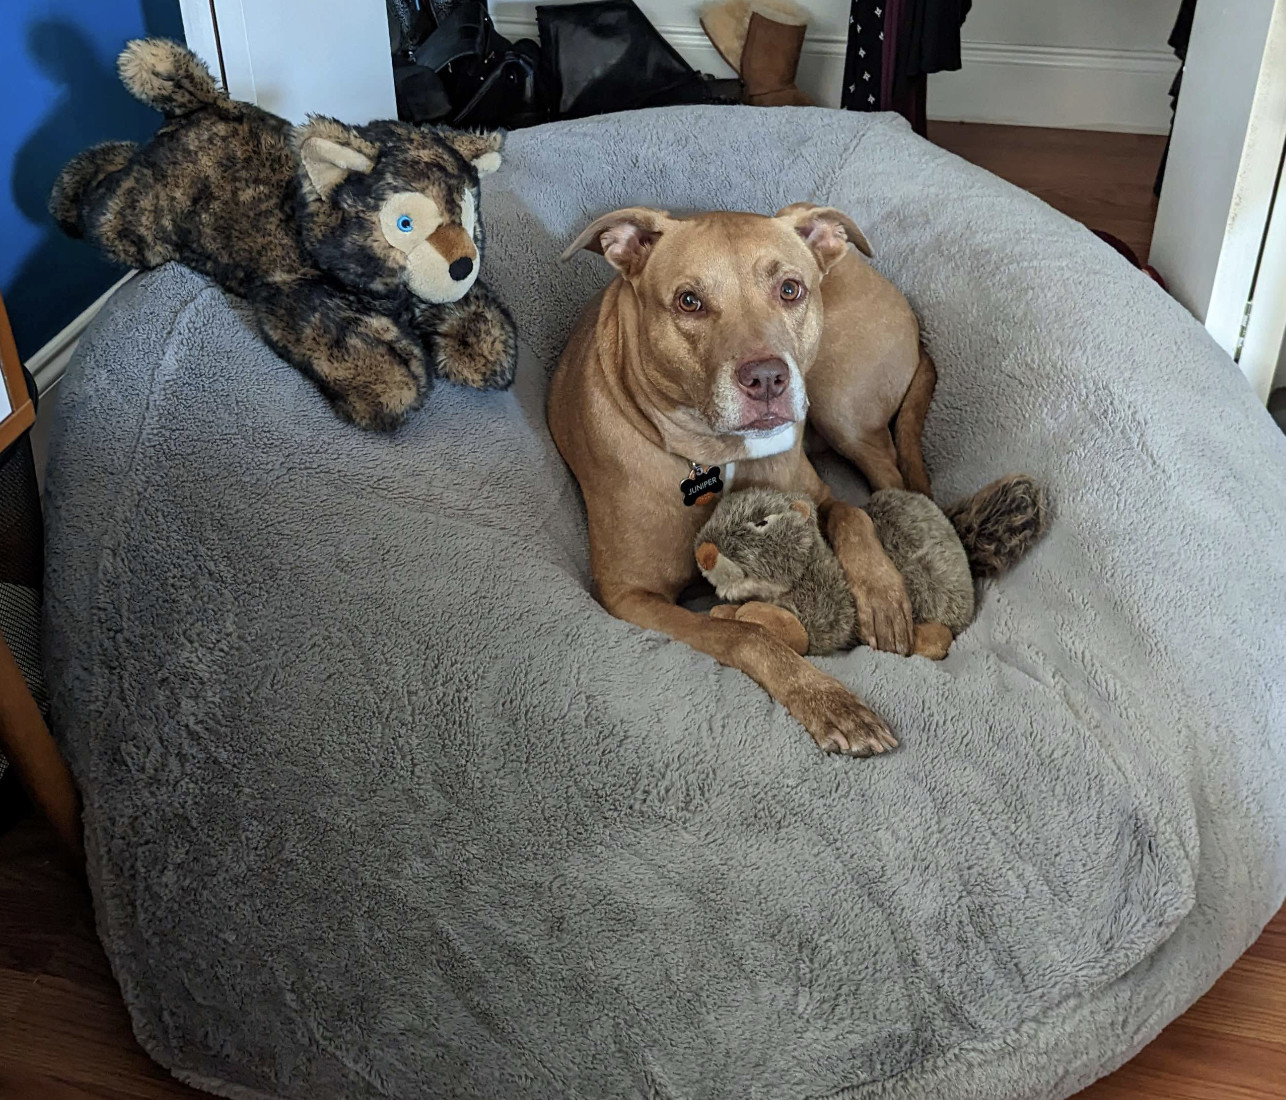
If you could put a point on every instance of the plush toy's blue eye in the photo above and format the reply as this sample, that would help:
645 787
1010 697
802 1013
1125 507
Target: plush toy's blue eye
405 224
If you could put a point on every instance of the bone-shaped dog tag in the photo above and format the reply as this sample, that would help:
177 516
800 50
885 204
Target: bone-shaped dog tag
701 485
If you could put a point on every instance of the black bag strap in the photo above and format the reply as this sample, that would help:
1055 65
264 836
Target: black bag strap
514 59
467 32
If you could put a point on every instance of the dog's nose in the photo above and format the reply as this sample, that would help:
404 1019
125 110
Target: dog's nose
460 268
707 555
763 379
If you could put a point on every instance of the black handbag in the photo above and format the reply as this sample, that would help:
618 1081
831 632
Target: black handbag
605 56
489 81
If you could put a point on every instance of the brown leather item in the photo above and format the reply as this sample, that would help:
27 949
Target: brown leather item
769 62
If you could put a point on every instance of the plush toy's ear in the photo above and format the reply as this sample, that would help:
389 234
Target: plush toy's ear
482 150
624 237
803 506
329 151
826 231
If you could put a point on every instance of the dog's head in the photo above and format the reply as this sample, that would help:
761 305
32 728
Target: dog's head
729 310
390 205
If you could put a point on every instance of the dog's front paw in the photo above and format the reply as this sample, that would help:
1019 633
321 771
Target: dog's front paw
475 345
842 723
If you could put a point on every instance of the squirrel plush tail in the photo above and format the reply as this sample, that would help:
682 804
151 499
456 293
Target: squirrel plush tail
999 523
167 76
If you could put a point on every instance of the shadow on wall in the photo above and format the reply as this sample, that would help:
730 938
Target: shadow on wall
55 278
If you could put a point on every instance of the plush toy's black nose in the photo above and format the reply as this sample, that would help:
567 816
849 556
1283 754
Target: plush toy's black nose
460 268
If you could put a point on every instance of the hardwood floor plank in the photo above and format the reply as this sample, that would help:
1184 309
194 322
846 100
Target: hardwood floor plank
1247 1003
80 1035
1272 944
18 1082
1102 180
15 987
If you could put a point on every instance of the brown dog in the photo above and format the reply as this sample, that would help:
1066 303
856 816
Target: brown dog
721 333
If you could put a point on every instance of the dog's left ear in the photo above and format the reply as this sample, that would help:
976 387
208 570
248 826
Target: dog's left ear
482 150
826 231
803 506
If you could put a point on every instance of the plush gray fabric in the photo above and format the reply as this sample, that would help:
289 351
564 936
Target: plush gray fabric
379 803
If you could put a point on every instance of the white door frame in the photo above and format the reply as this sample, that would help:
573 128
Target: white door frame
1221 174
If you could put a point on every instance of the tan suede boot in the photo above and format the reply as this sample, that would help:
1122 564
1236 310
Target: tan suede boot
762 40
769 62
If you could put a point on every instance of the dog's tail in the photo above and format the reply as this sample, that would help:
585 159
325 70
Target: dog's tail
79 176
167 76
1000 523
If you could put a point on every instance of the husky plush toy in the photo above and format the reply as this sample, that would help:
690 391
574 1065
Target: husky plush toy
765 550
357 247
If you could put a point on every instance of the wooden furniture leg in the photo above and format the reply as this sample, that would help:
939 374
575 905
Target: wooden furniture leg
32 753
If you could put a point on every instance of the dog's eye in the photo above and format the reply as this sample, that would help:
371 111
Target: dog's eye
689 302
405 224
761 523
791 291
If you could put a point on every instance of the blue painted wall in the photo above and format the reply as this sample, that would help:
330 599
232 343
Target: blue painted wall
58 94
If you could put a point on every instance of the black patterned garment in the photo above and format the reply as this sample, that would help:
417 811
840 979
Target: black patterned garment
893 41
864 62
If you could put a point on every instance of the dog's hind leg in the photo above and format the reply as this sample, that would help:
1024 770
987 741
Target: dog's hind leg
908 426
871 450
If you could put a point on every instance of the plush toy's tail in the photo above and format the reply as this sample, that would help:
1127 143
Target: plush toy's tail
79 175
167 76
999 523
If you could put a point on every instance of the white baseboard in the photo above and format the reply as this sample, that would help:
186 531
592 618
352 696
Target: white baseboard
1077 89
1067 88
47 364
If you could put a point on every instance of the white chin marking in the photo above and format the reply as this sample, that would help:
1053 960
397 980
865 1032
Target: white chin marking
775 442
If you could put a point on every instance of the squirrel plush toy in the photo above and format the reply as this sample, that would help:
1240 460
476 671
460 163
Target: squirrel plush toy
765 550
357 247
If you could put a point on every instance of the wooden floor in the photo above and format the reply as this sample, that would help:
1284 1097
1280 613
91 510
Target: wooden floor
1102 180
63 1030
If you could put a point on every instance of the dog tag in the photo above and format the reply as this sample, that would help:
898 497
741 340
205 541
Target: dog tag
701 485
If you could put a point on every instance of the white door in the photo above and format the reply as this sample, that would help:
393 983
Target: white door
298 57
1216 240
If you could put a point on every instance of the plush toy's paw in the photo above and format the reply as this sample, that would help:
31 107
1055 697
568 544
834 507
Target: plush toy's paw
373 371
474 343
385 379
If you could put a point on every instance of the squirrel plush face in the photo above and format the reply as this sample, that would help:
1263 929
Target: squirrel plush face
390 206
756 542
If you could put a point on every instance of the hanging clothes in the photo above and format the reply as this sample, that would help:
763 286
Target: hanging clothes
931 40
892 46
864 60
1178 42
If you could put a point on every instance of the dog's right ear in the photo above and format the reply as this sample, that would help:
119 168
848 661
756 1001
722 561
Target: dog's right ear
624 238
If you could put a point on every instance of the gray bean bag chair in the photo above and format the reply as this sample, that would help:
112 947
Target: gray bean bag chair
380 803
